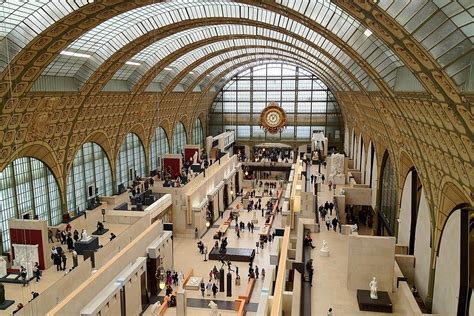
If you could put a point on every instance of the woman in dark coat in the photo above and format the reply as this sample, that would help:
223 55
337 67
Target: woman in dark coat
70 243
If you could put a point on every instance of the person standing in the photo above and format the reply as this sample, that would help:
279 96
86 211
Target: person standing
50 235
70 242
63 259
256 272
23 275
263 274
334 223
202 287
37 272
330 313
209 288
75 235
330 185
328 222
214 290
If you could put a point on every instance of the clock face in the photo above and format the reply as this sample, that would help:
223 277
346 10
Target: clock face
273 118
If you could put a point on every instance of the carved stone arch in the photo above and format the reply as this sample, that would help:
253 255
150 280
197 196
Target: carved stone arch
100 138
452 197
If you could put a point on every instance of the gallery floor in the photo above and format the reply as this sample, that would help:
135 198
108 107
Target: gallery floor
329 281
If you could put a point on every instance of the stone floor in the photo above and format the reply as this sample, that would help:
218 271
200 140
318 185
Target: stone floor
330 276
186 251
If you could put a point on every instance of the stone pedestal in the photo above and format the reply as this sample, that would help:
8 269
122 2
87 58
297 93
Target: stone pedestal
91 244
3 267
229 284
324 252
221 280
181 308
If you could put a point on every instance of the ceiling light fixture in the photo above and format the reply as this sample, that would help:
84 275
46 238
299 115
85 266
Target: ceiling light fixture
367 32
132 63
66 53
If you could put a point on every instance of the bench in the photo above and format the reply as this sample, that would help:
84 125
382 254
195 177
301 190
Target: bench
164 305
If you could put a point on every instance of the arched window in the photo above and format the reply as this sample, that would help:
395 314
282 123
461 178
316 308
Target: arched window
158 147
198 133
388 195
131 161
27 186
90 176
179 138
308 102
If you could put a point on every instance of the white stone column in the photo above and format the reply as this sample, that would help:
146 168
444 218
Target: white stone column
181 307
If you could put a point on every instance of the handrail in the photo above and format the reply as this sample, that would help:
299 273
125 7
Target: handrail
277 304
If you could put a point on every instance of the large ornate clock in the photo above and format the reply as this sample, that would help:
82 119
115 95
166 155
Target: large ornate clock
273 118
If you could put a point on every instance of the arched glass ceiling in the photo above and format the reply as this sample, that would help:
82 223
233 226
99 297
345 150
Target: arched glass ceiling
166 75
113 34
229 57
444 28
230 67
189 79
162 48
22 21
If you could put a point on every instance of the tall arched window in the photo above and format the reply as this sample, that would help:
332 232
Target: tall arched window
90 176
198 133
179 138
388 194
131 161
308 102
27 186
158 147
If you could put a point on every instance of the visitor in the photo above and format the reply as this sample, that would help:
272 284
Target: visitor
209 288
308 241
334 223
23 275
334 188
263 274
330 185
63 259
330 313
202 287
112 236
256 272
169 290
37 272
70 242
18 307
50 235
328 222
63 237
34 295
75 235
214 290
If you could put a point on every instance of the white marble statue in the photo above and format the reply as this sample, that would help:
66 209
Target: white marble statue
84 235
214 311
26 256
3 267
195 157
373 289
325 246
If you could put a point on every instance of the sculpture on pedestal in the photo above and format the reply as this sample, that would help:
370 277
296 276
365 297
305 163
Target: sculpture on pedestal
373 289
180 279
84 235
3 267
213 307
325 246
